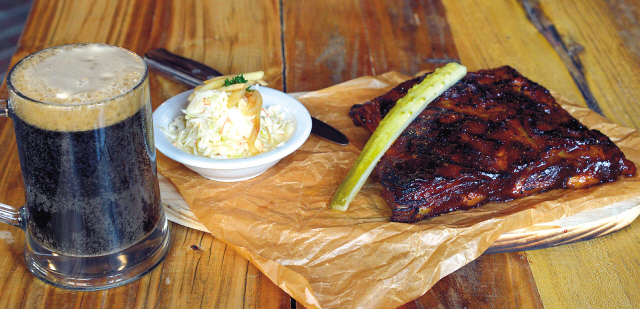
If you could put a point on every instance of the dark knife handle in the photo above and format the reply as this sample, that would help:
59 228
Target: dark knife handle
193 73
184 69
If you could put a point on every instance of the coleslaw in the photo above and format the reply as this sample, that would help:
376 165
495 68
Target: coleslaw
216 126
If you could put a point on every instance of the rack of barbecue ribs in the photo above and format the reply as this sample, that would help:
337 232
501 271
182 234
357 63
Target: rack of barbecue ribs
493 136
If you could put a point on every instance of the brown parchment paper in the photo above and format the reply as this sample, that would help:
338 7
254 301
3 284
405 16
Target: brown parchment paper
328 259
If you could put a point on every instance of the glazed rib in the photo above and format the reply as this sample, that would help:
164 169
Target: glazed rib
493 136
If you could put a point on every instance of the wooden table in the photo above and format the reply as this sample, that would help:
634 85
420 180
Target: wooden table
587 51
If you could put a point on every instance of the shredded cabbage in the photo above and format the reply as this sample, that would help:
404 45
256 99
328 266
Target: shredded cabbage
209 128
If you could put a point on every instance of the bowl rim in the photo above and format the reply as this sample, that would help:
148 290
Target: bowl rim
170 108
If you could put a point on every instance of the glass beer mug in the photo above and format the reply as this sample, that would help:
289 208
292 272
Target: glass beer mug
93 217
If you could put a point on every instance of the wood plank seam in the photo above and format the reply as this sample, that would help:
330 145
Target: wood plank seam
283 50
569 56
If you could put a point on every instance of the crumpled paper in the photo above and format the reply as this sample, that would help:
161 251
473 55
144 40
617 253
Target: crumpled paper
280 221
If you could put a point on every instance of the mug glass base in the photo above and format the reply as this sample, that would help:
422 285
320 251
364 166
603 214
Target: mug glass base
92 273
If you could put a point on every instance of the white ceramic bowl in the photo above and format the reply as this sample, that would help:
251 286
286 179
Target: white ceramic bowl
229 170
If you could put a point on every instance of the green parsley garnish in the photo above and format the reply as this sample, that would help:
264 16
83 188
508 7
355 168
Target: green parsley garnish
236 80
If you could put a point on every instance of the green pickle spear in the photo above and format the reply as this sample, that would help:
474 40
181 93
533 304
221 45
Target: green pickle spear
398 118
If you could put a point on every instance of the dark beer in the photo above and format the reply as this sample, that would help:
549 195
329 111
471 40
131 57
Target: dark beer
82 117
90 192
93 217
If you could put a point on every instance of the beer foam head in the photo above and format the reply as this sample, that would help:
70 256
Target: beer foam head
78 87
80 73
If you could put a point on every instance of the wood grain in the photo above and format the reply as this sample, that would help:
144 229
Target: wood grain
605 30
494 33
627 24
562 274
213 275
375 39
611 69
232 37
349 39
309 45
568 53
607 267
199 271
491 281
491 272
579 227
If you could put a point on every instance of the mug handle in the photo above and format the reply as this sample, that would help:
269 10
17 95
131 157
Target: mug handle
4 109
8 214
